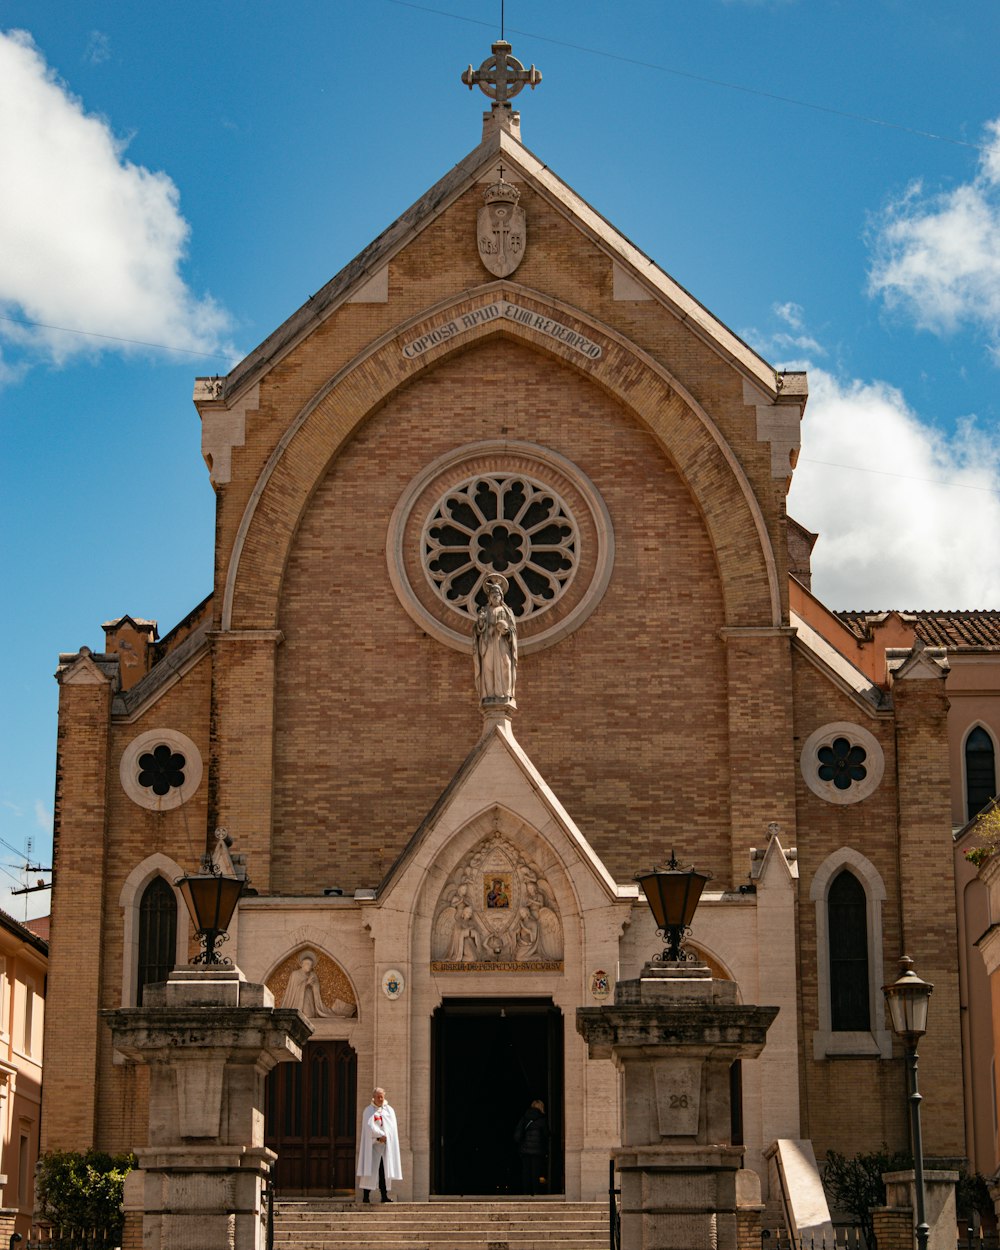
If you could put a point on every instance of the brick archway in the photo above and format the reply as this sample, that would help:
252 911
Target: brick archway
687 434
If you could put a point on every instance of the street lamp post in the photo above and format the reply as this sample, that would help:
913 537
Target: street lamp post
907 999
672 894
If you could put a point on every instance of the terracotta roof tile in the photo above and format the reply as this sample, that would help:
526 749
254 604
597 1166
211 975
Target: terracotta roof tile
958 631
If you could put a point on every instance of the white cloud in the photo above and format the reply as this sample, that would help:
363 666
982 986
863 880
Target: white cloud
88 240
911 522
936 256
43 816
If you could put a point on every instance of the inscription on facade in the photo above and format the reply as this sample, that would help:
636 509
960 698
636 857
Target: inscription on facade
512 312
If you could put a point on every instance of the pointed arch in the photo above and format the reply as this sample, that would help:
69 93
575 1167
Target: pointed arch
979 768
847 881
130 900
685 431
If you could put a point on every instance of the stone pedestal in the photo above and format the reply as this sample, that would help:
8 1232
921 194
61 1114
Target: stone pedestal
674 1034
939 1205
210 1039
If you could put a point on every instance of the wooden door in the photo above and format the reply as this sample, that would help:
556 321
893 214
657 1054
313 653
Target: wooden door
310 1120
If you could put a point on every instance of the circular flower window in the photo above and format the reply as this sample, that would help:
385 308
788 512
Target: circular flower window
498 524
160 769
842 763
513 508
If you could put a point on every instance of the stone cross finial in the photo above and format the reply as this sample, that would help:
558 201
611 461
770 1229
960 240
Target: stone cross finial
501 76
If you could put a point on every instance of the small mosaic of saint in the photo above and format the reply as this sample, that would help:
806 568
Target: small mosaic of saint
496 891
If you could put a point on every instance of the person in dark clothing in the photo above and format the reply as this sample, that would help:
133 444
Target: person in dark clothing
532 1139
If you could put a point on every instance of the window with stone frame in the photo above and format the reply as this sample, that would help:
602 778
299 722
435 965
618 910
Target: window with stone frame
849 895
157 934
848 945
980 771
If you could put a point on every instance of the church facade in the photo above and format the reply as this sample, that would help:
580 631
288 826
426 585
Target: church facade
503 390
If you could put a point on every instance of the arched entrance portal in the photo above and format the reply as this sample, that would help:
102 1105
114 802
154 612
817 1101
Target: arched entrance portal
491 1058
309 1120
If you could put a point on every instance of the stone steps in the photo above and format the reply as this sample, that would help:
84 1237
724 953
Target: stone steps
545 1224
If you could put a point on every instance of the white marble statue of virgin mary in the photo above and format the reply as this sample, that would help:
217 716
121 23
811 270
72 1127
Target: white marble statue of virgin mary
495 644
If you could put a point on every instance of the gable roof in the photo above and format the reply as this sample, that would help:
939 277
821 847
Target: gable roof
466 173
505 763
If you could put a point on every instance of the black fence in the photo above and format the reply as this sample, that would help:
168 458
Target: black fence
848 1237
47 1237
614 1210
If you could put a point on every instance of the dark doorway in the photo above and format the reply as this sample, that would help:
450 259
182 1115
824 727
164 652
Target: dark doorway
492 1058
309 1119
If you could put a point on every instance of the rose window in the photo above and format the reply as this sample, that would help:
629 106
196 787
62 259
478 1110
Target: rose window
842 763
161 770
501 524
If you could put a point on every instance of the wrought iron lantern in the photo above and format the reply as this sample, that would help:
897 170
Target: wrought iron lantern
908 998
211 899
673 893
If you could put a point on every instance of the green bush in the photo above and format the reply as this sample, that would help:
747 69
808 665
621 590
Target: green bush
972 1196
82 1190
855 1185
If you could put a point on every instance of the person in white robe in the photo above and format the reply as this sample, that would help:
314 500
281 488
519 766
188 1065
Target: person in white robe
378 1148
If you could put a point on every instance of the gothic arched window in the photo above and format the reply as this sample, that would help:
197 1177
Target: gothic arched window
157 934
849 895
848 937
980 771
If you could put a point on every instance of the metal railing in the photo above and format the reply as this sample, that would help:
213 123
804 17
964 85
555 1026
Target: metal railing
851 1237
845 1237
52 1237
614 1210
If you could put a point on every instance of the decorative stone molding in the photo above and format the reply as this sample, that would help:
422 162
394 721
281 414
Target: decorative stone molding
780 426
842 763
500 503
181 778
222 429
373 291
497 912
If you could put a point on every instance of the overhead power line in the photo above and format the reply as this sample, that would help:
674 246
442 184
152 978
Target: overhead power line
907 477
712 82
114 338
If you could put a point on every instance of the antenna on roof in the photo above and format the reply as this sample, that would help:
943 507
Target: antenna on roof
501 18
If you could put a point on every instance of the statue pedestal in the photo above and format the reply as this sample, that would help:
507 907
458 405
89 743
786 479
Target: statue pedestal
210 1039
674 1034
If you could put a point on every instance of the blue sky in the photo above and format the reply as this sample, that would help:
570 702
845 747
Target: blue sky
188 174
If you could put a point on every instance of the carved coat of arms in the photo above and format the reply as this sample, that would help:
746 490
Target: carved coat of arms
501 229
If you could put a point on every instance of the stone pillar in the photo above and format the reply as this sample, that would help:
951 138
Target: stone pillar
939 1205
674 1034
210 1039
